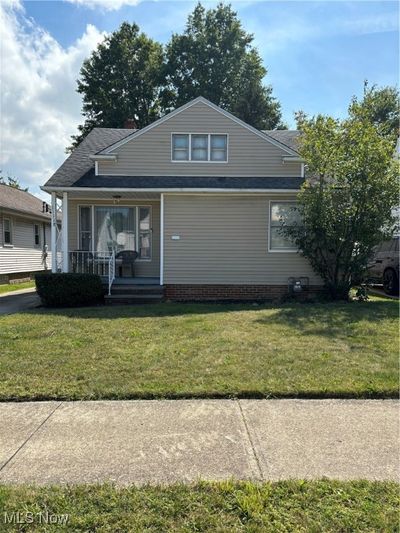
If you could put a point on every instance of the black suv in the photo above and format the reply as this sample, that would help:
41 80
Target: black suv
384 266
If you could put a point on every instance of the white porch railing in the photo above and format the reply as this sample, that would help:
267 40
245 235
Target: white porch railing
85 262
111 271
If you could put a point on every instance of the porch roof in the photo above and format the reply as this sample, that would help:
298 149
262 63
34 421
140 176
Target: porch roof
166 183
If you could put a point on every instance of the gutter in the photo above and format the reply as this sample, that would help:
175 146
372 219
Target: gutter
161 190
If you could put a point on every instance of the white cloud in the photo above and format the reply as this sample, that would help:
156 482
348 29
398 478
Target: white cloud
40 108
108 5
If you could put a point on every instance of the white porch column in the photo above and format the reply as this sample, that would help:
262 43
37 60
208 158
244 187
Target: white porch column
65 258
53 232
162 239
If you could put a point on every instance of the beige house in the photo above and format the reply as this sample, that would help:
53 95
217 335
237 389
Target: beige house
24 234
198 194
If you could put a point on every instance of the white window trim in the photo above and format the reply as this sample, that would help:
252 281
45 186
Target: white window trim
276 250
93 206
34 235
6 244
190 148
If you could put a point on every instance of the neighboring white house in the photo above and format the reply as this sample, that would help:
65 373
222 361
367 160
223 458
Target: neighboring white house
24 234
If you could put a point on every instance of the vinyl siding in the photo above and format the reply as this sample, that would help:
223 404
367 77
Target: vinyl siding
142 268
224 240
22 256
248 154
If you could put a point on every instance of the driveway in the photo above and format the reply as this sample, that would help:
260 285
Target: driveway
165 441
17 301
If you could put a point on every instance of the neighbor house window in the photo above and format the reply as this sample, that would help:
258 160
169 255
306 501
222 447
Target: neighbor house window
199 147
7 231
36 229
281 213
85 228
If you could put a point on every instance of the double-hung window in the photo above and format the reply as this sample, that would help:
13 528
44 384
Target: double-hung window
7 231
281 213
218 148
196 147
144 233
180 147
199 147
36 231
85 227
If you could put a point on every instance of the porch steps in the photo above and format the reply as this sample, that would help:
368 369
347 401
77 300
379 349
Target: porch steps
134 294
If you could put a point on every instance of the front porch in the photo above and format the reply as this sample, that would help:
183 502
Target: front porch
116 236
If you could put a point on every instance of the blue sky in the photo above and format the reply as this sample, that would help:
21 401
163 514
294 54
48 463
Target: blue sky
317 55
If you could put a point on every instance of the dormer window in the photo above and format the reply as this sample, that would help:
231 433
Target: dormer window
199 147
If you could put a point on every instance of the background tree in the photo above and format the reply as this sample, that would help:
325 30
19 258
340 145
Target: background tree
214 58
121 80
346 205
381 106
11 182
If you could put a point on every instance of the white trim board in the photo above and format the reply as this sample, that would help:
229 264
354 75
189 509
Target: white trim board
199 99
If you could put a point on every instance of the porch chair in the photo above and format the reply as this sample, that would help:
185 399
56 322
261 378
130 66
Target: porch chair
126 258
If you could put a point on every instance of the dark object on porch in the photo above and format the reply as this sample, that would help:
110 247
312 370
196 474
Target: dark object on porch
69 290
126 258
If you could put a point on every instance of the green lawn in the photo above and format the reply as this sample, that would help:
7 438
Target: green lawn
11 287
201 350
287 506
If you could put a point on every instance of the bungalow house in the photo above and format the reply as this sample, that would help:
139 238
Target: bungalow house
198 195
24 234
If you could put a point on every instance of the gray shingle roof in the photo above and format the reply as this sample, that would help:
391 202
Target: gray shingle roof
21 201
78 163
178 182
75 170
287 137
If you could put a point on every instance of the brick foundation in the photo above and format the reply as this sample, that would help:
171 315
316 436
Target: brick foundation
234 292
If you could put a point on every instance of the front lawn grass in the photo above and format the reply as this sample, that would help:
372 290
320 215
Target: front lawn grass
11 287
201 350
286 506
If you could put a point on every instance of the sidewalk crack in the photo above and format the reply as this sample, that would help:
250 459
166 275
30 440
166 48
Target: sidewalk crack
30 436
251 441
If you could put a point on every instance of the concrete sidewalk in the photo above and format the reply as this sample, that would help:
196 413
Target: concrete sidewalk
183 440
16 301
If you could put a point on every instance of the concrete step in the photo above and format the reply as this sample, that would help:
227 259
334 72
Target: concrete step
117 299
137 289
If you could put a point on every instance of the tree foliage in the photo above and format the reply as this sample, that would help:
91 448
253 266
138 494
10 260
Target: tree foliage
214 58
12 182
381 105
130 76
345 207
121 80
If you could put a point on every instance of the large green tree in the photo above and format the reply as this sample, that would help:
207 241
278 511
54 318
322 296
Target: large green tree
381 106
214 58
345 206
121 80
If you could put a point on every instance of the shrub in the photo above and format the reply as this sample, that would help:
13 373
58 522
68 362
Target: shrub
69 290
